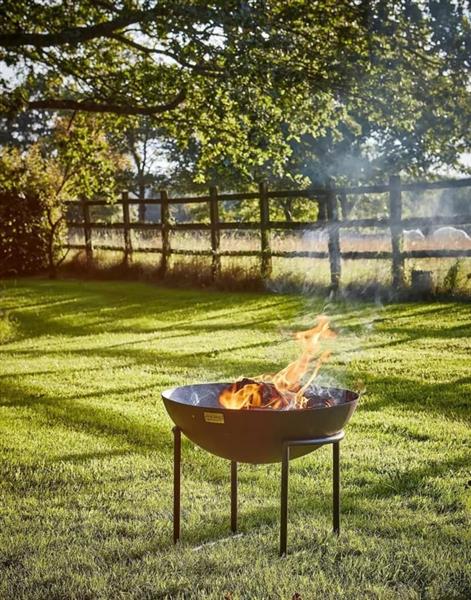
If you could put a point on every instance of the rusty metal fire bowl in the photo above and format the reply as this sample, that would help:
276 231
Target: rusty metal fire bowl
258 436
254 435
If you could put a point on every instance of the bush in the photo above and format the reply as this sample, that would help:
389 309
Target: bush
30 212
452 279
75 160
23 238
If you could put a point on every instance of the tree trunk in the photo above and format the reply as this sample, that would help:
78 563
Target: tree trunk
142 197
52 270
287 210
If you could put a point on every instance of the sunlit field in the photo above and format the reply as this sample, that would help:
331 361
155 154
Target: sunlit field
301 271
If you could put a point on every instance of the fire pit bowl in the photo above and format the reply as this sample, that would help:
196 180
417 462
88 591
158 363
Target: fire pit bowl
255 435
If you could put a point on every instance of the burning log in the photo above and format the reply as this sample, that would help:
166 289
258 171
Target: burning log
250 393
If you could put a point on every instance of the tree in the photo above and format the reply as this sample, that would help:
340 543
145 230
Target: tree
248 80
25 128
408 111
76 161
141 140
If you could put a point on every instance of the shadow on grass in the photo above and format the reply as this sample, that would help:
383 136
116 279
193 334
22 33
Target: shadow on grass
105 310
108 310
314 509
412 481
16 374
82 457
450 398
73 413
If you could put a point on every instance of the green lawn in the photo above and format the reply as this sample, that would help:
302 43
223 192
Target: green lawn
86 449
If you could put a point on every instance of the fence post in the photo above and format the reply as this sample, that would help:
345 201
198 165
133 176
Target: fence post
322 210
87 232
215 233
165 222
334 237
126 229
266 262
397 236
344 205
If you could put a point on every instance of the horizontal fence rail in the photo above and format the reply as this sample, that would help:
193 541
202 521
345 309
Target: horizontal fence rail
329 200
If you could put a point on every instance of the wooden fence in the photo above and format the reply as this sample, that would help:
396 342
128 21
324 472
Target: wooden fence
331 201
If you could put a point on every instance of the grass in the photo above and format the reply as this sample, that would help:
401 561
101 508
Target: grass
86 450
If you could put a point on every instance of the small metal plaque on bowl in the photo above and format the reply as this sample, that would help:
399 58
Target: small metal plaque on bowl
214 417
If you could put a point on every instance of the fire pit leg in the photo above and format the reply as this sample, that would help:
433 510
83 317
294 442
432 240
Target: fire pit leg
284 499
336 487
177 439
233 496
285 453
285 456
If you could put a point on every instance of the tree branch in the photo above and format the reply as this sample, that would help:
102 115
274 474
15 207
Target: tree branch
197 67
98 107
76 35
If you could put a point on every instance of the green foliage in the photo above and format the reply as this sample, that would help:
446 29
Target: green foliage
291 90
75 161
28 211
453 277
91 166
86 450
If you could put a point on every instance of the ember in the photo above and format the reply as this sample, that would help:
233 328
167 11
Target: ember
292 387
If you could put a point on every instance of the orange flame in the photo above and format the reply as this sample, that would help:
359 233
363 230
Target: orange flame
248 396
286 388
